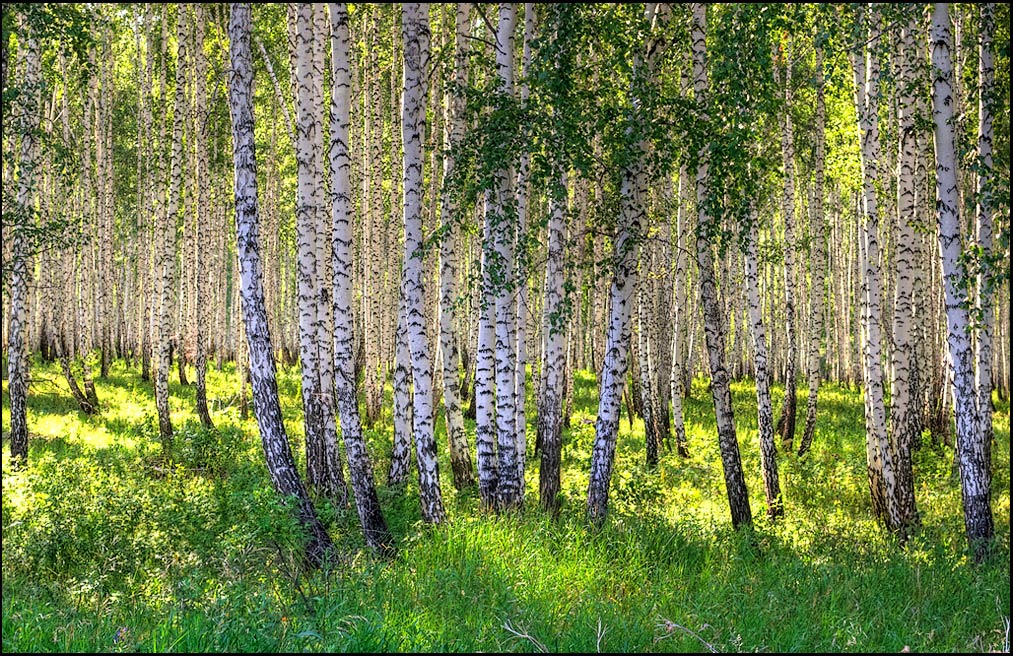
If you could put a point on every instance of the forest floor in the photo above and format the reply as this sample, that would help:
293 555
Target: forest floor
106 550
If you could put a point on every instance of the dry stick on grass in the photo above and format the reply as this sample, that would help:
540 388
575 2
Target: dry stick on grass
601 634
669 626
524 634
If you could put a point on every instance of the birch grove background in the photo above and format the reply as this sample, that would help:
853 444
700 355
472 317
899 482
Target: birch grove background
560 263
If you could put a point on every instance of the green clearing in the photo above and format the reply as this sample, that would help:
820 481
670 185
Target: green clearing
105 550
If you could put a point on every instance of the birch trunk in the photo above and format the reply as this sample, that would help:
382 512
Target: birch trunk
879 456
786 421
374 527
503 235
267 408
679 379
550 408
168 219
817 300
972 455
460 457
904 408
626 251
735 483
647 398
203 208
400 457
485 371
323 470
523 207
984 227
765 417
21 261
415 36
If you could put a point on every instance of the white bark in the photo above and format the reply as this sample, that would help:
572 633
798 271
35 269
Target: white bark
678 379
550 408
786 421
203 216
714 328
523 191
817 262
460 457
485 371
322 465
509 485
972 456
984 221
880 460
367 503
415 36
626 251
267 408
765 417
904 423
27 110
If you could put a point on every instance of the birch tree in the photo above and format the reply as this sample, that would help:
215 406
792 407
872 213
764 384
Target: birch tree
361 470
972 455
879 456
817 300
322 464
460 457
765 417
22 267
203 207
786 421
415 37
280 464
984 224
905 426
550 409
626 251
714 332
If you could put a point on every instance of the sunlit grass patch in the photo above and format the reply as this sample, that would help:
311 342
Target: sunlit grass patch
108 549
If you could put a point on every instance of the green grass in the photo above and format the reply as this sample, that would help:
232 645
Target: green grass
106 550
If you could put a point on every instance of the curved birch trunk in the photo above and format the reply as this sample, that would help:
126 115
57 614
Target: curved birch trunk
626 252
374 527
735 482
267 408
972 456
415 36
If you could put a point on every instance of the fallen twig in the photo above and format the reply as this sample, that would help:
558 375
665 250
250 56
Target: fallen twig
525 635
669 626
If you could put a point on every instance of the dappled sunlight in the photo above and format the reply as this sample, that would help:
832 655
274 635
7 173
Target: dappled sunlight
206 543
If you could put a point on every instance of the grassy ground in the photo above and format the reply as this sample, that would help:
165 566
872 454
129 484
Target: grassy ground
105 550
